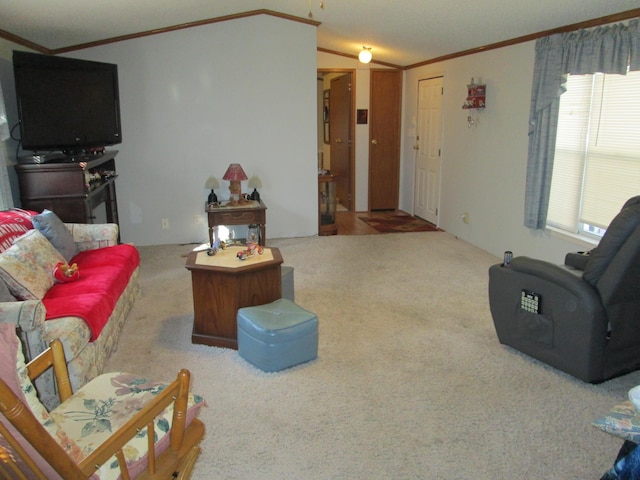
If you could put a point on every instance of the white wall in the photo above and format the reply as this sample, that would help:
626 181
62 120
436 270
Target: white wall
193 101
483 167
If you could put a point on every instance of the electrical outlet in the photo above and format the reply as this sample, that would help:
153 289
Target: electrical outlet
165 224
198 219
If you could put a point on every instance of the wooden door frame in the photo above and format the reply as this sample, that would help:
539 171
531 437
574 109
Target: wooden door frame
352 130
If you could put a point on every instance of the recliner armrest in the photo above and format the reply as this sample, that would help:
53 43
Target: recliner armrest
577 260
558 275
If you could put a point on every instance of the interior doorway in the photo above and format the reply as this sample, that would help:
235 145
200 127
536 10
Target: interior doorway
428 149
336 146
384 139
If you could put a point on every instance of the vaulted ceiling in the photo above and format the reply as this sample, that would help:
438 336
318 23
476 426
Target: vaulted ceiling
400 32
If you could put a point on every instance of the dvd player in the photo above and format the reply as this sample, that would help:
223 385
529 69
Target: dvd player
44 158
58 157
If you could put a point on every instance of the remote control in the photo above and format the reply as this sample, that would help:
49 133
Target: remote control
530 301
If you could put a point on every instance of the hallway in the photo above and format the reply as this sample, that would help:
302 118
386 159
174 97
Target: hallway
349 224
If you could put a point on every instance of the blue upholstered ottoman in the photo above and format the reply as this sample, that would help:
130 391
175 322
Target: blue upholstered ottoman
277 335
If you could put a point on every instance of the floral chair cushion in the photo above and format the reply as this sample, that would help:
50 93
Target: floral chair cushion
99 408
89 417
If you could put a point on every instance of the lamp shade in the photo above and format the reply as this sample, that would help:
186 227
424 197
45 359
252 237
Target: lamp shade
365 55
211 183
255 182
235 173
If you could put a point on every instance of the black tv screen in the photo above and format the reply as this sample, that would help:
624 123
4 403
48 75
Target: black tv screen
66 104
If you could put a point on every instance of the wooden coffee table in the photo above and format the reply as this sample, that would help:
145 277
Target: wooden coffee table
222 284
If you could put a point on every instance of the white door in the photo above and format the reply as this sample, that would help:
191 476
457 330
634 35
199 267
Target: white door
428 143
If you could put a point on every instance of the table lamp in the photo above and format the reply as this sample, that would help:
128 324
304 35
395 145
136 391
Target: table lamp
212 184
255 183
235 174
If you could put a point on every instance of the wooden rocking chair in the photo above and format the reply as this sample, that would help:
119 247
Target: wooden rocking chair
57 446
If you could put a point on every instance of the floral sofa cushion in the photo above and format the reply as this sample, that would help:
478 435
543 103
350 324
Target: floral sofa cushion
27 266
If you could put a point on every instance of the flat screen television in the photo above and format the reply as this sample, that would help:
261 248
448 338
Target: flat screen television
65 104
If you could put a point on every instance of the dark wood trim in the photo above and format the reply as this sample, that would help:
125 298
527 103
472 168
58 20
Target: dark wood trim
349 55
183 26
25 43
617 17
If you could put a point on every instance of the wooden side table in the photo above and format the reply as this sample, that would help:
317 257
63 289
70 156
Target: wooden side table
219 290
254 212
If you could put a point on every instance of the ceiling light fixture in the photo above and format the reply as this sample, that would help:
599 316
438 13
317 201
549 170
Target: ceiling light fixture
365 55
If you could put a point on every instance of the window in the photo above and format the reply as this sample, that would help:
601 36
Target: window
597 154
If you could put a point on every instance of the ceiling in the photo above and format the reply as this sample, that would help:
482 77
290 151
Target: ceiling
400 32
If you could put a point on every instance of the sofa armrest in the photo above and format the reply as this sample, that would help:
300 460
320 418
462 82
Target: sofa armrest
28 317
90 236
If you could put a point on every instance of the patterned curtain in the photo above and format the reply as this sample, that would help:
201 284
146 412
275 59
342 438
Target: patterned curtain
608 49
6 200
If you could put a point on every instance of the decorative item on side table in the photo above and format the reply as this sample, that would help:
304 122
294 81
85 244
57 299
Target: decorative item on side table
255 183
235 174
253 247
327 205
211 184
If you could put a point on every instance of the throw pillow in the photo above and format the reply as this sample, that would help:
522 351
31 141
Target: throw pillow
54 229
27 266
13 223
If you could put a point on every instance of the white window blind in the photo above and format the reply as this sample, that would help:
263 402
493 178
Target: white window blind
597 157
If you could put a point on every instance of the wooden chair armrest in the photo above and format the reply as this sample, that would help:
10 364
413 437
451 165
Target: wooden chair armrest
32 430
53 357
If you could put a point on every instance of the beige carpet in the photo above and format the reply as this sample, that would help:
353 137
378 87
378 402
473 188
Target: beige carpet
410 383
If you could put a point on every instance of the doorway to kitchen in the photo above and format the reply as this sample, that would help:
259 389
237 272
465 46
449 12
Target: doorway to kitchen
336 147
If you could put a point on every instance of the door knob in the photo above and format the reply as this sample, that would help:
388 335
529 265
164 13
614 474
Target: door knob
374 142
338 140
416 147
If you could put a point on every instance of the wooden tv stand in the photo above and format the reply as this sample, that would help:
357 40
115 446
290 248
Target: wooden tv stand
72 189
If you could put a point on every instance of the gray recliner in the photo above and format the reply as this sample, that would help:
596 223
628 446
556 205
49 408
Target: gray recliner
588 317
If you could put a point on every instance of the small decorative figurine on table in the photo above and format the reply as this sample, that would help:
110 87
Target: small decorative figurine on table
253 247
252 250
217 245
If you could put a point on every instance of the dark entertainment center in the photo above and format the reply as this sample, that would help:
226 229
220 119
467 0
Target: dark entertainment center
69 111
82 191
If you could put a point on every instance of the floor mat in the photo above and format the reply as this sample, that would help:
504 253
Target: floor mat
392 223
